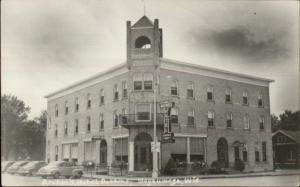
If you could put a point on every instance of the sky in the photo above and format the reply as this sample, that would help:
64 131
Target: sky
49 44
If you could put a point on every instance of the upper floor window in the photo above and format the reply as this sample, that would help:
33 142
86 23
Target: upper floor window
143 112
116 119
66 108
116 92
190 90
143 42
174 88
101 122
261 123
76 104
66 129
245 98
229 119
124 89
56 110
148 79
246 122
76 127
260 100
245 153
138 81
124 116
89 101
101 97
228 95
88 125
191 119
56 130
174 115
210 93
210 118
49 123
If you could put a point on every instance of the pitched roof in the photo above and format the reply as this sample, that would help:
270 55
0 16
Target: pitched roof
294 135
143 22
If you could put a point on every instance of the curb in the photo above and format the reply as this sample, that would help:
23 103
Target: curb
135 179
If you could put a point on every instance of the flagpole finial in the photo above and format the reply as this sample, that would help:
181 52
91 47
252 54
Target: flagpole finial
144 7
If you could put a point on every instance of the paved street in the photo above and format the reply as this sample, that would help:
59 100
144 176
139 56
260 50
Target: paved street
293 180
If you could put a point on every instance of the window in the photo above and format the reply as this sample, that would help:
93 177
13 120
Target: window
49 123
228 95
89 102
256 152
124 116
76 104
116 92
143 42
174 88
174 115
101 97
264 151
191 118
210 93
56 110
124 88
55 131
66 129
143 112
210 117
246 122
138 81
291 155
236 153
261 123
190 90
56 153
229 119
260 100
76 127
245 98
66 108
116 119
101 122
245 154
148 79
88 125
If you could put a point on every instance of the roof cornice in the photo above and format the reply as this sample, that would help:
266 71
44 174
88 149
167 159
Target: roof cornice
114 71
213 72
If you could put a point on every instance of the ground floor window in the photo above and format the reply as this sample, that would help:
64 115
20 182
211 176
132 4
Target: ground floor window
197 158
74 152
256 156
179 157
264 151
89 148
245 156
236 153
121 149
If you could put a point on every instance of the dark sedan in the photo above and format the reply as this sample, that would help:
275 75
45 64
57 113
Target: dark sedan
31 168
16 166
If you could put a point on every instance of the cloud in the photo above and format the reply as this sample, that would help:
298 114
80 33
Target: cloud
241 42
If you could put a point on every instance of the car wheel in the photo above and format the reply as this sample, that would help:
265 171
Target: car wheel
56 175
67 177
44 177
79 175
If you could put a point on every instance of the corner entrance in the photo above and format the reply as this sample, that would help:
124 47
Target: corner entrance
222 149
142 152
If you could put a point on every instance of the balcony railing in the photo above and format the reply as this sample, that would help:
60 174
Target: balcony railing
141 52
135 119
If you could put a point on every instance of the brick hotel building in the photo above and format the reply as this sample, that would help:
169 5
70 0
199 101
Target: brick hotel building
218 115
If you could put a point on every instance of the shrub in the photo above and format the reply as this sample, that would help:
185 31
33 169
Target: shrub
239 165
218 165
170 168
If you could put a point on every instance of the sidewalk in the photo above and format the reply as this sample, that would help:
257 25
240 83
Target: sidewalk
136 179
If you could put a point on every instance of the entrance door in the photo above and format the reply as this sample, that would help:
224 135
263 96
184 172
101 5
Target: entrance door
103 152
222 149
143 155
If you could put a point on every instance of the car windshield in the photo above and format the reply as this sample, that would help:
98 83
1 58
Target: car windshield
18 163
30 164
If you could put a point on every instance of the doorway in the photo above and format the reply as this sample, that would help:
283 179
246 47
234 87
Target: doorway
142 152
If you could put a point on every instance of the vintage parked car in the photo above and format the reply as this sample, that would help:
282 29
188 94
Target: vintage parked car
16 166
31 168
5 165
61 168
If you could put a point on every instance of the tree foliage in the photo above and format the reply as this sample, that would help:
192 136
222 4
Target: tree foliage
287 120
21 138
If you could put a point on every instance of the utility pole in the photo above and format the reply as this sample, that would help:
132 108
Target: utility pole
155 159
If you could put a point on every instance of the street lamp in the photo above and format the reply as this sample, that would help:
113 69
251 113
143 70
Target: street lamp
155 159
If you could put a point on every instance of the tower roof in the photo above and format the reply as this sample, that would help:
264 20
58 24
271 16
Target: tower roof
143 22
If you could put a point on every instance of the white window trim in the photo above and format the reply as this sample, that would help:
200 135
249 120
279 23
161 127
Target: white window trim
150 105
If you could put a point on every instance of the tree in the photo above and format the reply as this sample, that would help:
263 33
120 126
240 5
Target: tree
287 120
13 114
